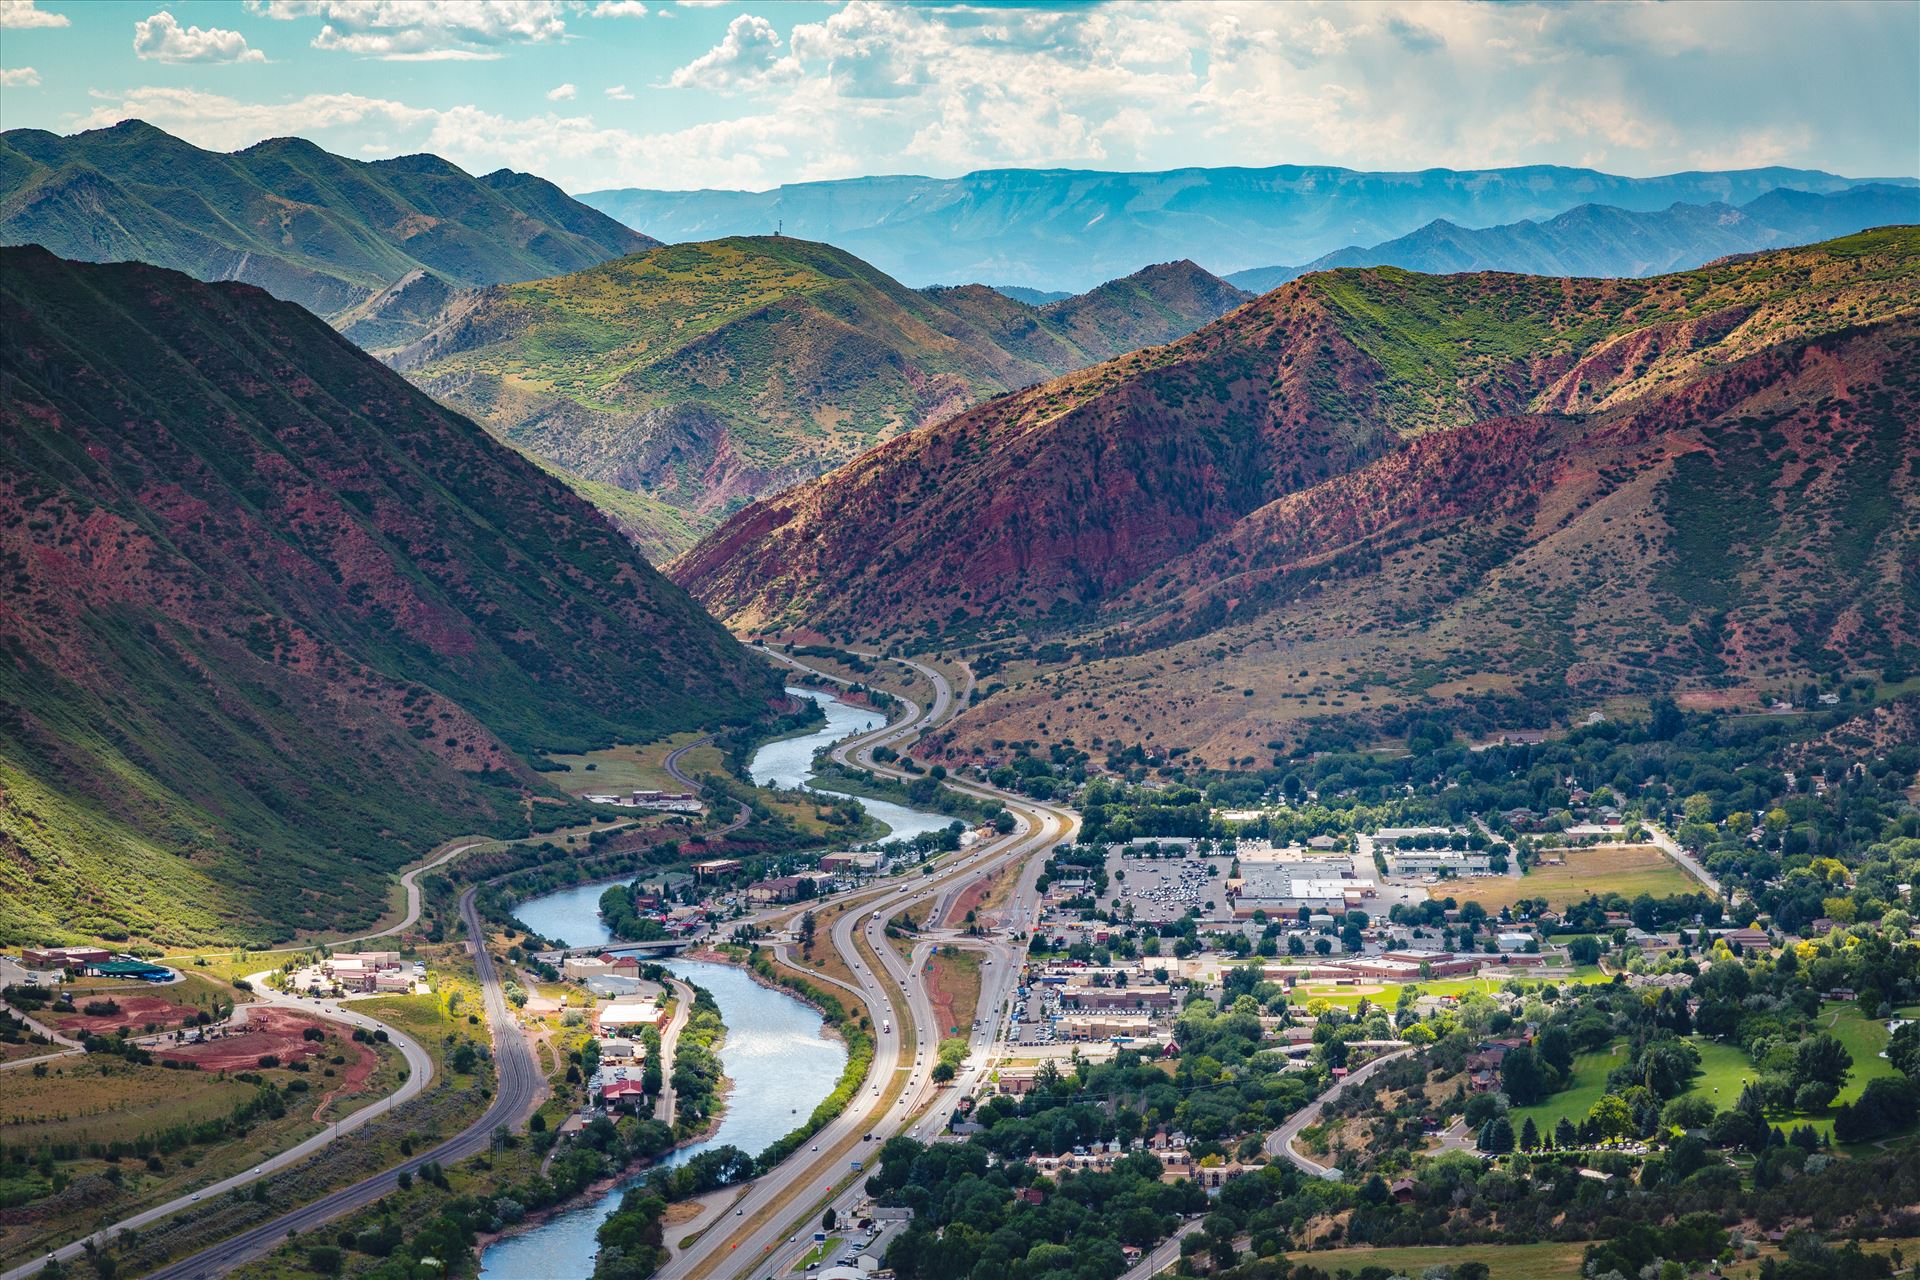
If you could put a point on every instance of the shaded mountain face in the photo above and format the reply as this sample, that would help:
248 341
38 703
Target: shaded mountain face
1601 240
314 228
700 376
278 623
1370 485
1071 229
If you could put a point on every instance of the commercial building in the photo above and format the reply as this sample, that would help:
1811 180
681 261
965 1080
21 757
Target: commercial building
63 957
716 868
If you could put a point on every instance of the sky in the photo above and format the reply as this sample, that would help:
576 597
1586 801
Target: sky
653 93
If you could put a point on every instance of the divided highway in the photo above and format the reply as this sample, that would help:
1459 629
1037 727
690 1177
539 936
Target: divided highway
768 1227
517 1088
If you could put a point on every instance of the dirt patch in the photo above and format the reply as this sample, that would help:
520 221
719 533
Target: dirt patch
953 988
135 1012
279 1032
969 900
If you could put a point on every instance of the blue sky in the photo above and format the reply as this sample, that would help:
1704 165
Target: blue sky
600 93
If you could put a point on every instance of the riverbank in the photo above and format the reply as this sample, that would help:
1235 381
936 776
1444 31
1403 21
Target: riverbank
778 1063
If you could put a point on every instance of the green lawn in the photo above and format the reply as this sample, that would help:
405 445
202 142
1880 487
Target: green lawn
1725 1071
1589 1084
1388 993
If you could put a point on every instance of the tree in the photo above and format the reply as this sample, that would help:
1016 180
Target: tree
1524 1078
1821 1059
827 1219
1904 1050
1496 1136
1611 1117
1529 1135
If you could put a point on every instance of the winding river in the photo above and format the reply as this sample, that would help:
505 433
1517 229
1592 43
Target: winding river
779 1062
789 763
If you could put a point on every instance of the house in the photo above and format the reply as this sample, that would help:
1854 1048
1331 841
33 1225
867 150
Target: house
1402 1190
1030 1195
622 1092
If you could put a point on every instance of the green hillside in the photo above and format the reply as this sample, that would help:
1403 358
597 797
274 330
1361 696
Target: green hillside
707 374
305 225
279 623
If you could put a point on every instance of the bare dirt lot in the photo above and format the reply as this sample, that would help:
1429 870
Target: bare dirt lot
135 1012
279 1032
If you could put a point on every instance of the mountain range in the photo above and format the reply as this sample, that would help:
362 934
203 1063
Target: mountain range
1060 229
278 623
314 228
698 376
1601 240
1373 489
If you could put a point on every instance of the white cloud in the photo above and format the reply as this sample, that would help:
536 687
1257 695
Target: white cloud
562 93
221 123
19 77
619 9
19 14
423 30
619 93
162 39
745 57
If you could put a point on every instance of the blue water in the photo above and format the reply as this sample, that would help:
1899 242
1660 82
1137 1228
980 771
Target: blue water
781 1067
789 763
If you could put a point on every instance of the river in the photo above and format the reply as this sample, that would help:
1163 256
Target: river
779 1062
781 1067
789 763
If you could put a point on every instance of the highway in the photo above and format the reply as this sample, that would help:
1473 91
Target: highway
517 1089
768 1227
419 1073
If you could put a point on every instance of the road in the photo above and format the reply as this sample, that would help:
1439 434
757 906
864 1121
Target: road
672 763
670 1040
518 1086
770 1222
419 1074
1280 1141
1672 848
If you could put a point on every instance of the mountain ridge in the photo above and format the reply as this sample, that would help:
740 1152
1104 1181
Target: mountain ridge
707 374
1203 498
1070 229
1604 241
310 227
280 623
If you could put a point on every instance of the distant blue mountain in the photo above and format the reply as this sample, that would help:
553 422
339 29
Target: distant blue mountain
1060 229
1600 240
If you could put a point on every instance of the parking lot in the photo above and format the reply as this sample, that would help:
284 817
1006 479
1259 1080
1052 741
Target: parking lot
1160 890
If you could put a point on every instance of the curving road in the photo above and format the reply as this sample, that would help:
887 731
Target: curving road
517 1089
1280 1141
767 1231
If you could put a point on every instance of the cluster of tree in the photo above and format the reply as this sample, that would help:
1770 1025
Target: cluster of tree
970 1220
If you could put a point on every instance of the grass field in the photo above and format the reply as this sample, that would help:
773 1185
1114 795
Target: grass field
1514 1261
104 1099
1724 1071
1388 993
1629 870
1504 1261
627 768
